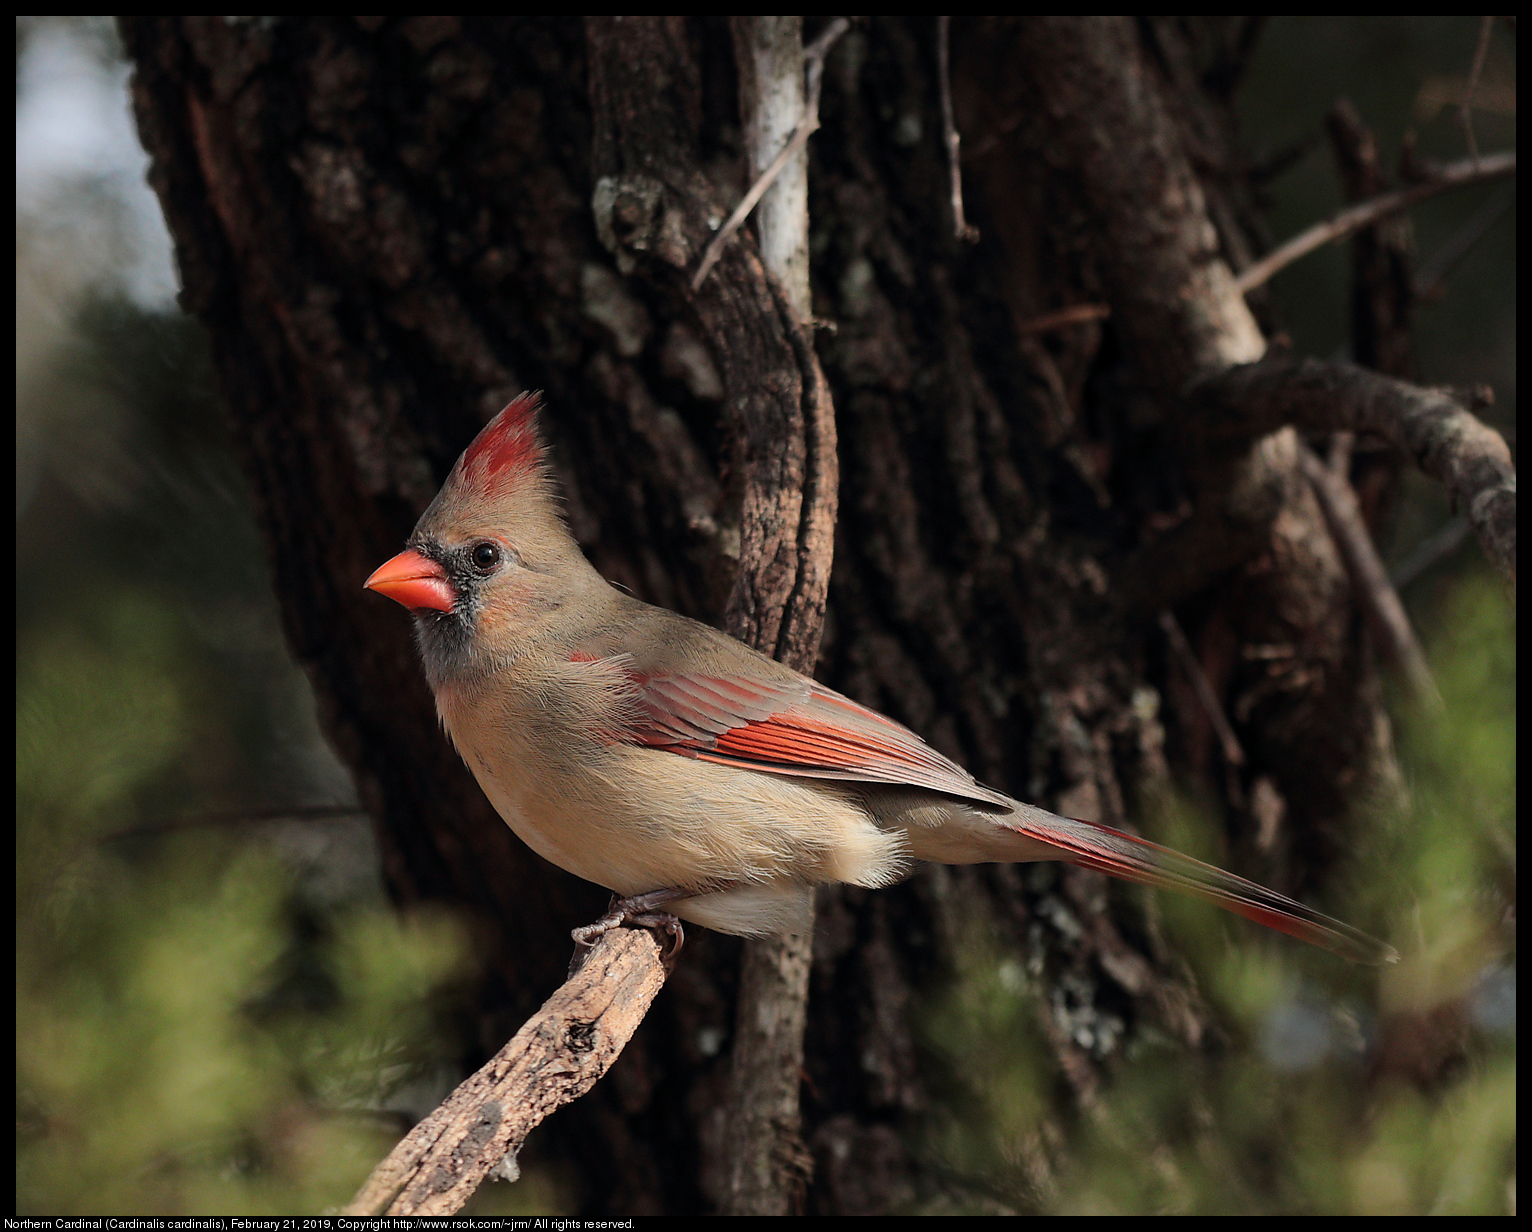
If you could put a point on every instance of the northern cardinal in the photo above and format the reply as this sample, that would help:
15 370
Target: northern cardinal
681 769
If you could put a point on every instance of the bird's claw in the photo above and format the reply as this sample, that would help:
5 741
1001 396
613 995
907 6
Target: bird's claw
638 911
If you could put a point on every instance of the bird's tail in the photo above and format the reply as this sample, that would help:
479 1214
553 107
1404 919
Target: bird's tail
1116 854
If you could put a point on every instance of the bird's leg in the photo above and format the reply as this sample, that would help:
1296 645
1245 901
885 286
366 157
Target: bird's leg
644 911
641 909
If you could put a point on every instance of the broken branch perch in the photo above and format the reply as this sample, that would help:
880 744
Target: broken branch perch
555 1058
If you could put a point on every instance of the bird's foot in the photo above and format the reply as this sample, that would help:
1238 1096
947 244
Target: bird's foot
641 910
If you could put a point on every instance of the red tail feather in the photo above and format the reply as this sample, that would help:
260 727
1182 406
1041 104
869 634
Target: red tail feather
1121 855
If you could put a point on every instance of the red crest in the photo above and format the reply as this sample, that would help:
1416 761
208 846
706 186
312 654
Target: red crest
508 445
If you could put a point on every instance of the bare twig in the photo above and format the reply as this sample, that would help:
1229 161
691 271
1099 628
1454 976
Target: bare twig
1435 547
773 94
1337 227
961 228
1365 213
1271 165
1430 276
1377 594
813 68
1465 109
748 202
1233 754
814 54
554 1059
1075 314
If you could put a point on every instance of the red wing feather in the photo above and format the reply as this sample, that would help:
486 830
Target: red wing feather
802 729
797 728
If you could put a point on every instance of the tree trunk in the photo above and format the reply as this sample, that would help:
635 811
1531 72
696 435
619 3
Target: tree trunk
390 227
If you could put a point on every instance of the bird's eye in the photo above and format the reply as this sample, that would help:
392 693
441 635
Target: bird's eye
485 556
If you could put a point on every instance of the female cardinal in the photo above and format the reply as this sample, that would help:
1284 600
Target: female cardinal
679 768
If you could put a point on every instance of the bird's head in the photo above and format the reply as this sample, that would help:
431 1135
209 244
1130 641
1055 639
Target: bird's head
490 568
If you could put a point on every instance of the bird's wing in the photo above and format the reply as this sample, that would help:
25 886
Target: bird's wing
792 727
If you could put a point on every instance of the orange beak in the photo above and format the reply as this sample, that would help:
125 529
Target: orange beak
413 580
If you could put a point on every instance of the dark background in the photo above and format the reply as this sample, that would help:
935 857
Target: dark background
218 1011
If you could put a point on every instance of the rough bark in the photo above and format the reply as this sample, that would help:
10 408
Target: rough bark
389 226
765 1166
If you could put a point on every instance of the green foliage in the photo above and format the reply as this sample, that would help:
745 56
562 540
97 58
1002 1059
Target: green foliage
147 1080
164 1062
201 1028
1329 1095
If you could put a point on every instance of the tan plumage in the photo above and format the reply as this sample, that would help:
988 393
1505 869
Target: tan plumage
645 751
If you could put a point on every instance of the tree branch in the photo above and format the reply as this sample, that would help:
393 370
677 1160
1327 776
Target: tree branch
1465 109
1337 227
1368 577
1180 314
766 1164
1429 424
1171 295
555 1058
1203 687
1353 218
1382 289
652 202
